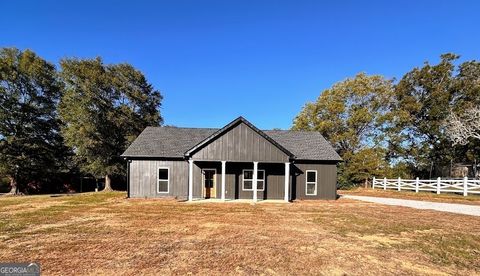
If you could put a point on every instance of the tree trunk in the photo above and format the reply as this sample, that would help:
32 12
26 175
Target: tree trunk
108 187
13 184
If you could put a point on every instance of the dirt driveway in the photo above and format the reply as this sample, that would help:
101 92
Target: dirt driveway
463 209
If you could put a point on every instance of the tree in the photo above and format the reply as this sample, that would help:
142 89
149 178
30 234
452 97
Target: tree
31 147
466 89
461 128
353 116
422 99
104 107
362 165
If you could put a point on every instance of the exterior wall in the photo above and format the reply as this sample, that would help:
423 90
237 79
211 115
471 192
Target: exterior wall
143 179
326 180
144 174
241 143
274 181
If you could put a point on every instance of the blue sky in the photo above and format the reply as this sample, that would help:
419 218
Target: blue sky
216 60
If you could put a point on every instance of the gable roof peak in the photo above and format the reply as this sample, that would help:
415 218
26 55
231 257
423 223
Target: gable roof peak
229 126
239 119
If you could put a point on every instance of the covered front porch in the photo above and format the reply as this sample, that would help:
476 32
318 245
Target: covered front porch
248 201
242 182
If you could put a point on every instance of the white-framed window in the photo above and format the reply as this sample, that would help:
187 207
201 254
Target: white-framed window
247 180
311 182
163 180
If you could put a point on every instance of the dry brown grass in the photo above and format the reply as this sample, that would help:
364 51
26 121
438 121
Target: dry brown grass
427 196
105 233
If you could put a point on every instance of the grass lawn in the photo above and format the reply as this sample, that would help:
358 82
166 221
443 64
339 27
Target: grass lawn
427 196
105 233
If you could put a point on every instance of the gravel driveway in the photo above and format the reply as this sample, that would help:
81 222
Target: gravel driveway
443 207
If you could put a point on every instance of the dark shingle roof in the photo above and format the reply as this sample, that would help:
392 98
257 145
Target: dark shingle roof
307 145
175 141
167 141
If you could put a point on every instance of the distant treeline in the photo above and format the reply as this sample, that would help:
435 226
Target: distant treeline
417 126
63 128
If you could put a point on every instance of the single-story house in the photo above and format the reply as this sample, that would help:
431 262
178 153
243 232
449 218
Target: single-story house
238 161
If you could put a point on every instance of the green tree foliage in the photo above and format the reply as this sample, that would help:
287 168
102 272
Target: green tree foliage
466 86
353 115
466 96
362 165
422 100
31 147
385 129
104 107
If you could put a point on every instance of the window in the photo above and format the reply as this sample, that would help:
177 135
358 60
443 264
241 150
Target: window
248 180
311 183
163 180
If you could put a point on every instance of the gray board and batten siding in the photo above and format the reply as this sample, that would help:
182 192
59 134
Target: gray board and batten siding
144 174
326 176
239 143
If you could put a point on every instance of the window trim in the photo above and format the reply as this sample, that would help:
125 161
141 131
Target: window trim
307 182
243 180
168 180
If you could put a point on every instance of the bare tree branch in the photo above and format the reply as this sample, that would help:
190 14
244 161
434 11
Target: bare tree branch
460 128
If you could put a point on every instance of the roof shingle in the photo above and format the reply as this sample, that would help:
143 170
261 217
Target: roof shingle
175 141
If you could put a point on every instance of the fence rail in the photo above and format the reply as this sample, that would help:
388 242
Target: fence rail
465 185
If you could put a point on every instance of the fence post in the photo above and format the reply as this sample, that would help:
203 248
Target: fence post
438 185
373 183
384 183
398 184
416 185
465 186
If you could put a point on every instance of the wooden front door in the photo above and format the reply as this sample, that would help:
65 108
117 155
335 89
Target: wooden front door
209 183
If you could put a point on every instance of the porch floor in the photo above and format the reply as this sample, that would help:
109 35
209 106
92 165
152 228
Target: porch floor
217 200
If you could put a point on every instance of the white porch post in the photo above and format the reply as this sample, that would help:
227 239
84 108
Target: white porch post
223 179
287 180
254 184
190 180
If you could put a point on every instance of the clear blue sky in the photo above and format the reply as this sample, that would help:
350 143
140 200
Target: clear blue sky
216 60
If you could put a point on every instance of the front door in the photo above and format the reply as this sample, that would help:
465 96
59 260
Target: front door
209 183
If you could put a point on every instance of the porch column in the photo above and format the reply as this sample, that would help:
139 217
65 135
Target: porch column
190 180
223 179
254 184
287 180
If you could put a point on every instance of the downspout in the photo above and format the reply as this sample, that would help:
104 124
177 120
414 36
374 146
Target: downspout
128 178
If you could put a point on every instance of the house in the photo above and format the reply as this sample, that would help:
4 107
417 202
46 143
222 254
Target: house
238 161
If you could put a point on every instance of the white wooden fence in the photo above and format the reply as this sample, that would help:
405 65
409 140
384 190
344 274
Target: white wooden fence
465 185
